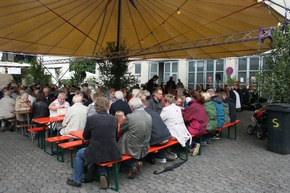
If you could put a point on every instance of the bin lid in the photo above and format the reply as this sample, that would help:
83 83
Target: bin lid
282 107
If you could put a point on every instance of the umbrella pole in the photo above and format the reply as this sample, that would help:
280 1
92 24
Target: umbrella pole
119 24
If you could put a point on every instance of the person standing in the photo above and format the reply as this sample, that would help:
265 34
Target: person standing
170 85
151 85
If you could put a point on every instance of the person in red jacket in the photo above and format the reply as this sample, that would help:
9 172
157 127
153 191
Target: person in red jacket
195 118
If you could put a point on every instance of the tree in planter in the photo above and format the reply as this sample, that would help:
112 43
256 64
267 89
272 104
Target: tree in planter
274 79
35 75
114 71
80 66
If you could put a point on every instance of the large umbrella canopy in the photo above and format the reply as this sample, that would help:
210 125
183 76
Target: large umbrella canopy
82 27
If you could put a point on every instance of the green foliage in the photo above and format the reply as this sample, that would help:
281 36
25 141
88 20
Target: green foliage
230 80
80 66
35 74
274 79
114 71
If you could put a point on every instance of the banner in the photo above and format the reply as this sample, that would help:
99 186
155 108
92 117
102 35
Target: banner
14 70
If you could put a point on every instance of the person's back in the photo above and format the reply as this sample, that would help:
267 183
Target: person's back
159 131
135 134
7 105
196 118
218 103
39 109
119 105
211 114
75 117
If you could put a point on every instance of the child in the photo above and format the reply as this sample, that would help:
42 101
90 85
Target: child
120 115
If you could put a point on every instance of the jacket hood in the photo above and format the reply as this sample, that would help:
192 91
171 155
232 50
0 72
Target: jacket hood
217 99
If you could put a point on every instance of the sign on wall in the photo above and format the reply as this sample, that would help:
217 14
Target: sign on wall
14 70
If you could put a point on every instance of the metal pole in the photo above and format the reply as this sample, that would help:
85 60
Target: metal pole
119 24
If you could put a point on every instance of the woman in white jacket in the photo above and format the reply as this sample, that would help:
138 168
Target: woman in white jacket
172 117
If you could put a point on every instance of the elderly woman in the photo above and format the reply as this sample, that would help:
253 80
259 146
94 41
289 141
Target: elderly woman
23 104
58 105
172 117
101 129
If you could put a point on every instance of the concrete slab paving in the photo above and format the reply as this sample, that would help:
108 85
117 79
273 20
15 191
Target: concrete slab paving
227 165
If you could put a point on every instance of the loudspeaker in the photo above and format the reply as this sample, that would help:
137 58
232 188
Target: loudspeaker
217 76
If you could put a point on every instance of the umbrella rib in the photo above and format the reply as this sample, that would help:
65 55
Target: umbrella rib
106 29
66 21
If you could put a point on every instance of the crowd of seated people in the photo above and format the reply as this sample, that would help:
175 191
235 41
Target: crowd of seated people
117 122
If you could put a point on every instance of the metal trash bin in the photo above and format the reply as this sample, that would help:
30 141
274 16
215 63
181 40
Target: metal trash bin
278 125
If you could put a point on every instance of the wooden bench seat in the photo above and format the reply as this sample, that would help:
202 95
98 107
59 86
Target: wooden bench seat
55 140
41 132
71 145
115 164
226 126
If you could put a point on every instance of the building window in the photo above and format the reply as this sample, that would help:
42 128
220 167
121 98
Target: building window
137 69
170 69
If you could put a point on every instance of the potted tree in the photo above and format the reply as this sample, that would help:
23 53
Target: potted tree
274 82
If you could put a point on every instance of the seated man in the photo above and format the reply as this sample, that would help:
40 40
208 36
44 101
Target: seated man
7 105
135 135
101 129
75 117
160 134
120 104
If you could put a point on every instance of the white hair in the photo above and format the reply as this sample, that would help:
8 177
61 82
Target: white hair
147 93
119 95
135 91
62 94
77 98
24 95
135 103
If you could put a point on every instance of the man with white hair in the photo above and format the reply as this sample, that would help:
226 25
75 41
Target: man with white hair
7 105
135 136
75 117
120 104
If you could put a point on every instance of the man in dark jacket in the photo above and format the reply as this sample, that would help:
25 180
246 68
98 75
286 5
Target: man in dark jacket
170 85
101 129
151 84
155 102
120 105
160 134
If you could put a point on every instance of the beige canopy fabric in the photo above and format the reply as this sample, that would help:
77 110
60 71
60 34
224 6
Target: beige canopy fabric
82 27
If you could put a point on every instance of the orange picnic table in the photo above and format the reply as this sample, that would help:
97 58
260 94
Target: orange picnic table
78 134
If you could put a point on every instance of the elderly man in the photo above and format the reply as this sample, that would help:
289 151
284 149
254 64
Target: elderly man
7 105
120 105
75 117
135 135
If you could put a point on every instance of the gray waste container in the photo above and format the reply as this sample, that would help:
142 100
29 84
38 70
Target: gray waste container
278 125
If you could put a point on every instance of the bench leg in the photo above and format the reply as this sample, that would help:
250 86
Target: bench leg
235 132
60 153
229 132
116 171
200 147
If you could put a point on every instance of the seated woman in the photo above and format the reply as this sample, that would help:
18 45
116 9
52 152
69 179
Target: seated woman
195 118
172 117
23 104
101 129
39 107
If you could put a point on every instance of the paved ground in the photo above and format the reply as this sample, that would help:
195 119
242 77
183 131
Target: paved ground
226 165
